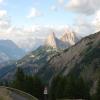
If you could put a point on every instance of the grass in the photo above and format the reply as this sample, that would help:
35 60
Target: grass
4 94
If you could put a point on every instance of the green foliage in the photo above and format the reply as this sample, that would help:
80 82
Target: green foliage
53 87
97 95
19 79
60 93
68 88
29 84
82 88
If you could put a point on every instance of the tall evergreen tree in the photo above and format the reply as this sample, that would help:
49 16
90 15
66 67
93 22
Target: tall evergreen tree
19 81
53 87
30 84
76 88
68 88
61 87
82 89
97 95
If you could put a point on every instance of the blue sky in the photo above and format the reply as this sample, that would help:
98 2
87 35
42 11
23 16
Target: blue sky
19 9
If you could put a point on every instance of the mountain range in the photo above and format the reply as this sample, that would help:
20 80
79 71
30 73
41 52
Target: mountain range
12 51
41 55
9 51
80 59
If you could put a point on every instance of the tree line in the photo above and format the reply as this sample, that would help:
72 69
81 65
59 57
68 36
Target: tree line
61 87
29 84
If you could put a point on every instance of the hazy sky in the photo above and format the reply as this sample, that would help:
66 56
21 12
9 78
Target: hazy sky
37 18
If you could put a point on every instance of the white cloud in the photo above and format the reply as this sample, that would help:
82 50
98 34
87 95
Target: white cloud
96 20
23 37
83 26
85 23
34 13
87 7
4 24
1 1
3 13
4 21
54 8
61 2
44 31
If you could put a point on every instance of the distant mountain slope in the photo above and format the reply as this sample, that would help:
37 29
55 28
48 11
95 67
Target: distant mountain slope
31 63
9 51
3 58
14 94
35 60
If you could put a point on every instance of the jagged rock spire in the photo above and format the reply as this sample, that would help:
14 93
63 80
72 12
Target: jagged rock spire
51 40
66 40
68 37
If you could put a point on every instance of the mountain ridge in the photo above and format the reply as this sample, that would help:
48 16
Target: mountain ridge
67 39
9 51
82 59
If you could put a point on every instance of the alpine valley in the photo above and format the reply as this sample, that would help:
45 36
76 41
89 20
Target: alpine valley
66 56
34 61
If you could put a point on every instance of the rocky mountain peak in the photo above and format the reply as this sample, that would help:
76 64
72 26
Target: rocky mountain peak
51 36
51 40
68 37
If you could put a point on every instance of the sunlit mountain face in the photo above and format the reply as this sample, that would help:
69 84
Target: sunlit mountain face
52 45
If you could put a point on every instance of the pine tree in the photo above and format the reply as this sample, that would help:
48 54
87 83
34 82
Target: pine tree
53 87
30 84
82 89
76 88
38 87
97 95
19 79
69 88
61 87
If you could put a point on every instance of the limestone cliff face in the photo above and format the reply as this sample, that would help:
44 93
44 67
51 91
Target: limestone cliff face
51 41
68 39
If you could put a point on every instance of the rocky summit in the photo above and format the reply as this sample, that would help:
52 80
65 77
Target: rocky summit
68 39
